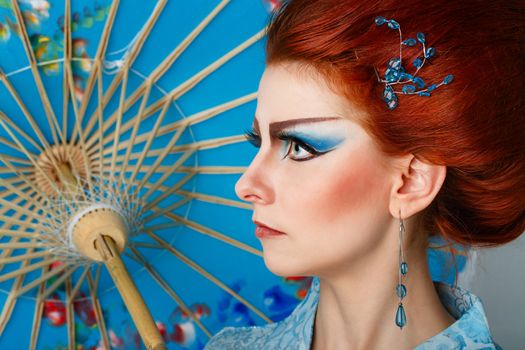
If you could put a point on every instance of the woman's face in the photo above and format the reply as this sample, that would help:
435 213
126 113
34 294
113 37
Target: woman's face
318 177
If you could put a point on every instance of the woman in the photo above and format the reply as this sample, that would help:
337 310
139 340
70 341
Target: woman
367 148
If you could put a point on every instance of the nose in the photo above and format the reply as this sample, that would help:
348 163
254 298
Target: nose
255 184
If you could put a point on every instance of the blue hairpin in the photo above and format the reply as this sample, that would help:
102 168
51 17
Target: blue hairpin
395 73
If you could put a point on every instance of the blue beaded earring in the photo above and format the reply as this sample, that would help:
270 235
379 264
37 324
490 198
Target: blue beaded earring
401 290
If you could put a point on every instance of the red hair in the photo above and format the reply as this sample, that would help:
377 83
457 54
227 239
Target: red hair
475 126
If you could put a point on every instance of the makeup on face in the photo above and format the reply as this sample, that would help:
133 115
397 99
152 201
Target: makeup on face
315 135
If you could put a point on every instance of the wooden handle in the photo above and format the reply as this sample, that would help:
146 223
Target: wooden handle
128 290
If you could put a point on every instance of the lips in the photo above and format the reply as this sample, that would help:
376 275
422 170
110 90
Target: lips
263 231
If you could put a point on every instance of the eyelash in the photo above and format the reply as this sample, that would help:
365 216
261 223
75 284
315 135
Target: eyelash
255 140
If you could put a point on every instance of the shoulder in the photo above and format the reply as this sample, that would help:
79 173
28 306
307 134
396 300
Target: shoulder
292 333
242 338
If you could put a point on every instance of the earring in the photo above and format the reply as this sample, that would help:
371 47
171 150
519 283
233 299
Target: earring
401 290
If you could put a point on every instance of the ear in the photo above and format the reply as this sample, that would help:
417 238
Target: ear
415 185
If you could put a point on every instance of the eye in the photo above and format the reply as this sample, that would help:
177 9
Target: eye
299 150
252 137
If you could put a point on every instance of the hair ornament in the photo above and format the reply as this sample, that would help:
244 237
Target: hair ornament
395 73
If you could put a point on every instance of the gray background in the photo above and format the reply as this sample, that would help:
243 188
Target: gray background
498 278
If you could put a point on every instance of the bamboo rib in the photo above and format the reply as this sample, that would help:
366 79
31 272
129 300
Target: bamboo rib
131 141
99 56
21 132
16 233
161 68
201 145
24 270
22 170
70 317
81 280
8 158
164 285
161 158
133 53
100 90
37 318
24 109
68 75
13 221
168 209
144 245
149 141
28 154
207 170
206 274
214 234
21 195
78 126
23 177
44 277
59 281
98 312
207 198
7 252
10 302
24 245
9 204
13 126
166 193
190 120
120 112
27 256
51 117
161 226
191 82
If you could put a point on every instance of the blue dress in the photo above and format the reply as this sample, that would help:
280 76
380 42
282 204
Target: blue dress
470 331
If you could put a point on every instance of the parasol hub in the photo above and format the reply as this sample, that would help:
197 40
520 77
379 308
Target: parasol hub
60 166
94 221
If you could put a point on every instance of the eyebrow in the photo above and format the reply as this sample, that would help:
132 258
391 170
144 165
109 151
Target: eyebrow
278 126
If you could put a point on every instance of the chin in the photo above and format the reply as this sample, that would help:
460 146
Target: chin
284 267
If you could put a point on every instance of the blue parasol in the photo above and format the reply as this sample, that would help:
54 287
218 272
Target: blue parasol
121 140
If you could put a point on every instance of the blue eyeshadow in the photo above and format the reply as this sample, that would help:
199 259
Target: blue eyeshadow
318 142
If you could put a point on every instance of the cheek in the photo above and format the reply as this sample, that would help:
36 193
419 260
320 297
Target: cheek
337 189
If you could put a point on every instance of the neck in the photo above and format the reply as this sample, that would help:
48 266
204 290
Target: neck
357 307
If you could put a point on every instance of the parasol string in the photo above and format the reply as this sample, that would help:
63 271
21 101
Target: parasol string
130 57
48 109
177 253
164 285
99 316
157 73
180 90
